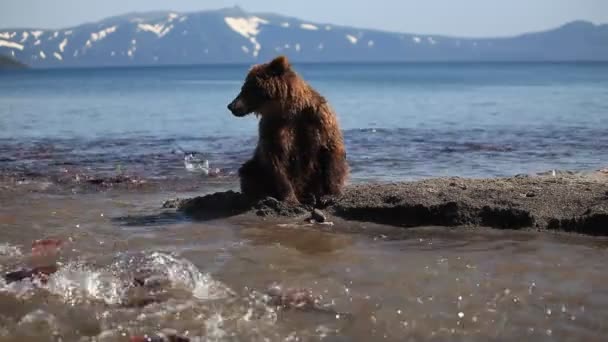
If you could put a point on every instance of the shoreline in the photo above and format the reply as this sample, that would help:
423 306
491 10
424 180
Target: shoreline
566 202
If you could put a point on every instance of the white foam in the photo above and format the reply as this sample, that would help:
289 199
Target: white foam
159 29
76 284
95 36
37 34
370 43
352 39
88 44
246 27
42 55
309 27
24 36
37 42
182 19
245 49
113 53
10 44
285 24
68 32
297 47
13 53
58 56
416 40
327 27
62 45
133 42
432 41
320 46
5 35
55 34
7 250
173 16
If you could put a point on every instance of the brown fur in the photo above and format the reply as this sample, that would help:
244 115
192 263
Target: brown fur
300 152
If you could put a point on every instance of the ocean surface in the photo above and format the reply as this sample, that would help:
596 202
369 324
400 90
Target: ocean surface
87 158
400 121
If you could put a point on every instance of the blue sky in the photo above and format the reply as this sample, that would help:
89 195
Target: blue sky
452 17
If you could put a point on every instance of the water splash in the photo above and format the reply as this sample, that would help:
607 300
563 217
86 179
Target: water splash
184 274
76 283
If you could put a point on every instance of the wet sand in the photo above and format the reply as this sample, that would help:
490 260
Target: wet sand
562 201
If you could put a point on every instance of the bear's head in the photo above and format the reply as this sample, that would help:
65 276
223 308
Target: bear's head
266 87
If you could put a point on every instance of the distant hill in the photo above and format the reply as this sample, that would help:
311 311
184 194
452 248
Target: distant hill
9 63
233 35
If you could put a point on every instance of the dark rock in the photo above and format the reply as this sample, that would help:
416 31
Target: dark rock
41 273
318 216
217 205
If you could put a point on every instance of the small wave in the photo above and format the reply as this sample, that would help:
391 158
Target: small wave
182 273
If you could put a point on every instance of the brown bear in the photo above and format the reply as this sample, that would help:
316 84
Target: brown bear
300 153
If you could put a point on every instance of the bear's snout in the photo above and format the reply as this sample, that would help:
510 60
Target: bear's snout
238 107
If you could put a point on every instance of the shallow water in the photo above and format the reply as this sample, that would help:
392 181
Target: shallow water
373 282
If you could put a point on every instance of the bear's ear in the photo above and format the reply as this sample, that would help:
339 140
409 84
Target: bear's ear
279 65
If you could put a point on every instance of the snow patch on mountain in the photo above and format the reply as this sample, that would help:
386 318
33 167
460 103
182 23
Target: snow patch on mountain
309 27
62 45
95 36
246 27
37 34
159 29
10 44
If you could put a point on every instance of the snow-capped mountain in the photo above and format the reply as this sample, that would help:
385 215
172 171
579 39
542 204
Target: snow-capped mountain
235 36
